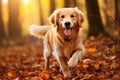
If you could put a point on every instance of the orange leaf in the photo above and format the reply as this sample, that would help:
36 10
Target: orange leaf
101 76
96 66
92 38
43 76
25 73
116 33
10 74
114 64
91 50
85 66
81 75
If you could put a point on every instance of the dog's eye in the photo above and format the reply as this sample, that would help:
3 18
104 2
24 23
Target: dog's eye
62 16
72 16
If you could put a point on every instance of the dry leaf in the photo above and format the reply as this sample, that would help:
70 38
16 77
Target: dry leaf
87 61
26 62
92 38
11 74
114 64
116 33
87 76
85 66
91 50
80 75
25 73
101 76
96 66
43 76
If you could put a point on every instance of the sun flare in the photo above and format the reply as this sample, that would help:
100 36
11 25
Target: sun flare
4 1
25 1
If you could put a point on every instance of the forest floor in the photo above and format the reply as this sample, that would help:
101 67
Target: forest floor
24 61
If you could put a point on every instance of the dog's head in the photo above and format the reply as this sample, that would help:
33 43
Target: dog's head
67 18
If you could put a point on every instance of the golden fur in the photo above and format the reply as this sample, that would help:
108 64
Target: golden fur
63 39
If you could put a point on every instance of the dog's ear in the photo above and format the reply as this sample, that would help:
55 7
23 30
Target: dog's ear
80 16
53 17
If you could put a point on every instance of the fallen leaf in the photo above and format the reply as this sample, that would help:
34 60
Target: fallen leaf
114 64
85 66
26 62
9 74
96 66
43 76
80 75
116 33
91 50
101 76
92 38
87 76
25 73
116 77
87 61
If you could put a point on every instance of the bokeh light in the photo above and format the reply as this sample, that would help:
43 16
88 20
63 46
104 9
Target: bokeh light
5 1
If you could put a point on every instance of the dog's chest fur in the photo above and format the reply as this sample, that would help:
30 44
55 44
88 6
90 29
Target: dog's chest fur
68 50
56 43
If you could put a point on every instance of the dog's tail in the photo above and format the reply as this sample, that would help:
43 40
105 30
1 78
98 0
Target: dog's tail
39 31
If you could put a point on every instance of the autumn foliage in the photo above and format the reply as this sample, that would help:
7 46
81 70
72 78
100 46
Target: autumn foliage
25 61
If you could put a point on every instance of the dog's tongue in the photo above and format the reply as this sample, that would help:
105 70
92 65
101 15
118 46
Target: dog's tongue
67 32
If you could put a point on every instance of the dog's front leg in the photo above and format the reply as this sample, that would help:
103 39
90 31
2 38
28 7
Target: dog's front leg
63 63
47 53
78 54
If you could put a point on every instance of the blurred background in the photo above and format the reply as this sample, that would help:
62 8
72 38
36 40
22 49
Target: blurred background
101 16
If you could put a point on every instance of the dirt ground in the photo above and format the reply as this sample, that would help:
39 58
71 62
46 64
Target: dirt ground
24 61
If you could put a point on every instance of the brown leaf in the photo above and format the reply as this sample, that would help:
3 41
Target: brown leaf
91 50
25 73
43 76
87 76
101 76
92 38
116 33
11 74
96 66
114 64
80 75
87 61
116 77
85 66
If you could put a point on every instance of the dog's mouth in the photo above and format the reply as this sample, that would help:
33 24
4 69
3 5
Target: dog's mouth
67 31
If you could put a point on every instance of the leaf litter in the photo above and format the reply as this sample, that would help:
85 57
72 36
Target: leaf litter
26 62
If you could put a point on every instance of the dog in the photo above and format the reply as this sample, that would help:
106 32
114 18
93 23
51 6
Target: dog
63 39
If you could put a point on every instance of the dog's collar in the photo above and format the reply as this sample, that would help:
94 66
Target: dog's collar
68 39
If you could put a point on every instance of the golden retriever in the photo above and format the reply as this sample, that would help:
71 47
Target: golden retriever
63 39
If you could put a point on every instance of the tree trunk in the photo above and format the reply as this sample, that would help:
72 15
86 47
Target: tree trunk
2 31
66 3
14 25
94 18
70 3
117 11
52 6
74 3
41 12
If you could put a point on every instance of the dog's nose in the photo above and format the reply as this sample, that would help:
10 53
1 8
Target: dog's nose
67 24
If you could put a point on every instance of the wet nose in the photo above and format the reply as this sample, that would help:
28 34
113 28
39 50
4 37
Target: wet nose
67 24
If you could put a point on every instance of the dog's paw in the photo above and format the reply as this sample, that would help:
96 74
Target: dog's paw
72 62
